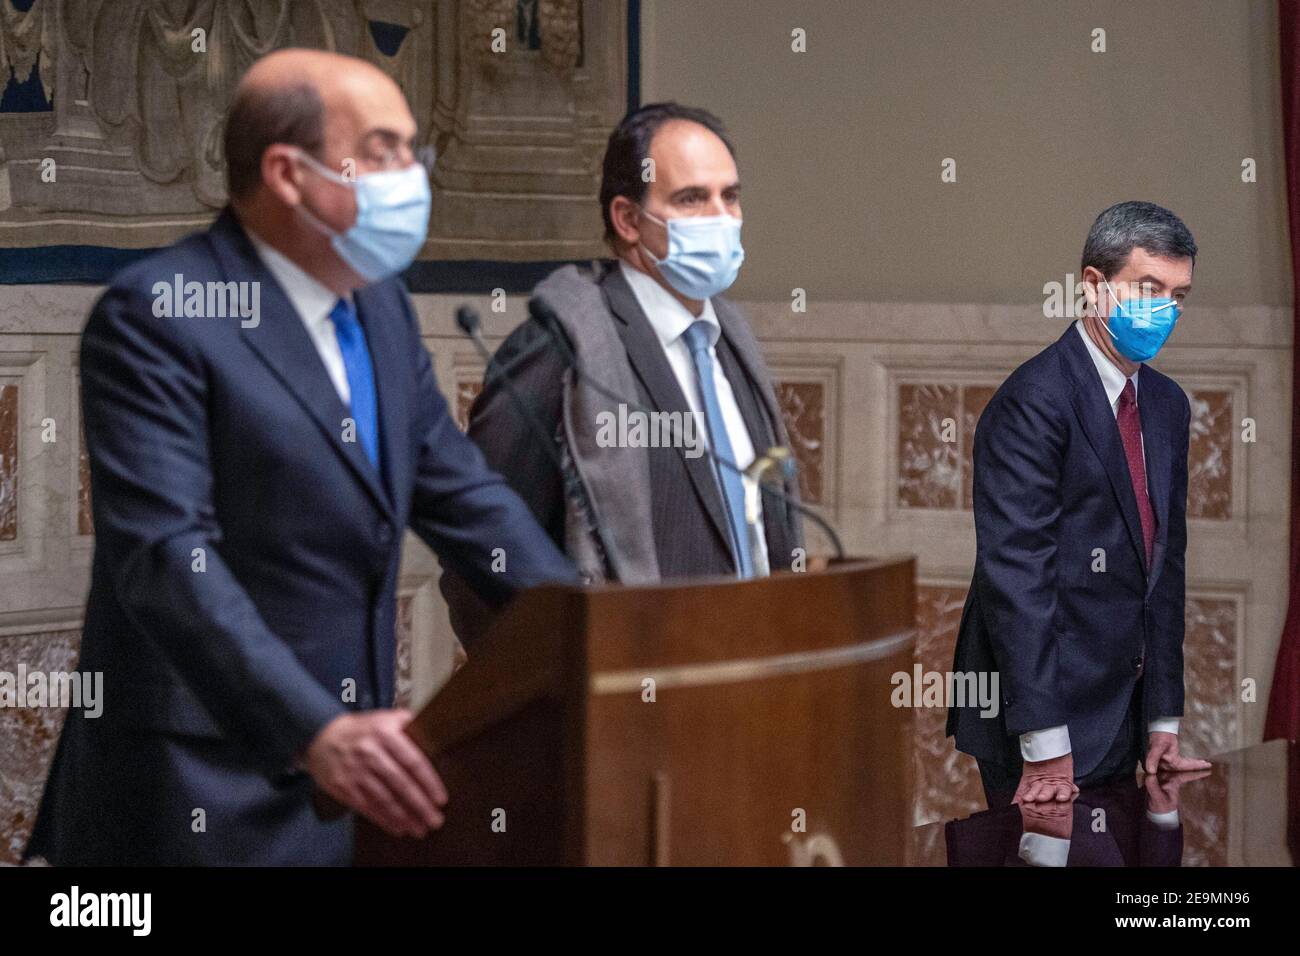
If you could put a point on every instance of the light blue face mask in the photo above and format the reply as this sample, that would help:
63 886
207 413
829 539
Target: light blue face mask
392 219
1140 327
704 254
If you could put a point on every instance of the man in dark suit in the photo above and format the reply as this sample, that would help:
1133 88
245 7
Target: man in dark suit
1080 496
653 330
252 475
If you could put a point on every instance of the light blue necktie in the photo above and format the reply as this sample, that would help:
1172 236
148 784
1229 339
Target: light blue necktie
361 376
733 487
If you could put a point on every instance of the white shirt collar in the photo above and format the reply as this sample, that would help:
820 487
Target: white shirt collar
667 316
1112 379
311 300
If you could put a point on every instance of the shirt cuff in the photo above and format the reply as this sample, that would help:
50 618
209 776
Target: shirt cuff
1165 821
1163 725
1045 744
1039 849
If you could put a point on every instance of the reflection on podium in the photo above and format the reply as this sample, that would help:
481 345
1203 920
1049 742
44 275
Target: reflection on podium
1244 811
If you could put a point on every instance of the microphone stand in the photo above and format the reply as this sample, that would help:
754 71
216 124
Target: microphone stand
468 320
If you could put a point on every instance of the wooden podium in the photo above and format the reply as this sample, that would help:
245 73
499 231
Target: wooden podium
713 723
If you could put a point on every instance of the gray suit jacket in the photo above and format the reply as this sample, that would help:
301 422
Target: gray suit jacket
661 507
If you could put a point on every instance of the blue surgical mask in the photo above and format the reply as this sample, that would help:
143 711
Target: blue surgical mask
1140 327
704 254
392 219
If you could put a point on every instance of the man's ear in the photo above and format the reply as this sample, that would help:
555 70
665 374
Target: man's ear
1092 286
623 214
282 173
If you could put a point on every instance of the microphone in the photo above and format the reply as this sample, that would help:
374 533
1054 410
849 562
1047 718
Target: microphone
541 312
467 318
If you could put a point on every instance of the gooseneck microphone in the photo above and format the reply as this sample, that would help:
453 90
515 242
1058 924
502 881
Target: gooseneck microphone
467 318
541 312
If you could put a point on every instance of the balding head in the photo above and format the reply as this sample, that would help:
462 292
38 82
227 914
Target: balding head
312 99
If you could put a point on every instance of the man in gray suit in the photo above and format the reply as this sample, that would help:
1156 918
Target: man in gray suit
653 332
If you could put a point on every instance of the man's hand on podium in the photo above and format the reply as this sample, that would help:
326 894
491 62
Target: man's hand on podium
366 762
1163 755
1043 780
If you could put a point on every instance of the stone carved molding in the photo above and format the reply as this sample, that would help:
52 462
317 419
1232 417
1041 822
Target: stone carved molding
25 44
556 24
138 99
148 82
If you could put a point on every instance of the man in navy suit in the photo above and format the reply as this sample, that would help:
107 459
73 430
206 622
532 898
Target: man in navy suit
1080 498
252 474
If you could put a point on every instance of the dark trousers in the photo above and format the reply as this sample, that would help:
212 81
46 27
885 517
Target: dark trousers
1000 781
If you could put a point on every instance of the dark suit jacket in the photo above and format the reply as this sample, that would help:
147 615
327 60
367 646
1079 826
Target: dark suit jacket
246 560
1052 496
691 537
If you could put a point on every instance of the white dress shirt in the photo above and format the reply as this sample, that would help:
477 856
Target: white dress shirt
1055 741
670 319
313 302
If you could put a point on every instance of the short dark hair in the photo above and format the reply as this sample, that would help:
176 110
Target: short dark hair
1128 225
629 145
261 116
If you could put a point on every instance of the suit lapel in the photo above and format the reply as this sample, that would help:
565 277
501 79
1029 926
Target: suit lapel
650 364
1155 442
281 342
1088 397
745 348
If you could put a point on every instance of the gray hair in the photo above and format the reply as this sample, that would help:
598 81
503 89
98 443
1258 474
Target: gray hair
1128 225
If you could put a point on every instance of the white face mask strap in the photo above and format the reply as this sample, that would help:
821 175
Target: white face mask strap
652 217
321 168
644 248
1096 308
314 221
1113 297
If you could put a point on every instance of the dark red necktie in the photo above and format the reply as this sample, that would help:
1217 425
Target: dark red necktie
1130 431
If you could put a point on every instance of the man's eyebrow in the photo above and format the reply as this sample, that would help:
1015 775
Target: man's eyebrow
390 136
1156 280
687 191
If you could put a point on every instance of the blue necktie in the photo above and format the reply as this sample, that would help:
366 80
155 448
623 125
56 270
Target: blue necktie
733 487
361 377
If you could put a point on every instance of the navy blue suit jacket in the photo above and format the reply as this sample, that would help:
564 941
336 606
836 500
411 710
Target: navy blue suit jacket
1053 498
246 562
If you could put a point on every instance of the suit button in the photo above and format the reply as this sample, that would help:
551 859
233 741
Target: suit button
384 532
1137 664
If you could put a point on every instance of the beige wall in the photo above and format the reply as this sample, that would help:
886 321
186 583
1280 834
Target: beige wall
841 146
